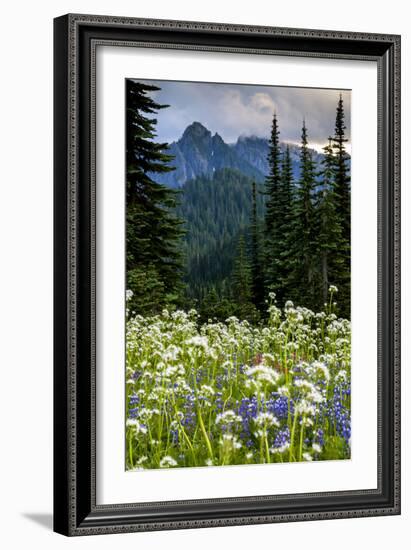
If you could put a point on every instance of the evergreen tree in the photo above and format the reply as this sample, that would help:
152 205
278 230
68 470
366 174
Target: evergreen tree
301 279
255 253
273 210
342 171
148 290
242 289
216 305
285 225
152 229
209 305
330 243
342 188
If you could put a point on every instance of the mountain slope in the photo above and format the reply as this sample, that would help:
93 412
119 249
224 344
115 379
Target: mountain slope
199 153
216 210
255 150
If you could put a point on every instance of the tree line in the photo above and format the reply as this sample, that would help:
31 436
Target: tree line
295 242
303 245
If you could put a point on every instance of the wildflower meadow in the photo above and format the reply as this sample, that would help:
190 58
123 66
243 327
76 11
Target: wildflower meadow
225 393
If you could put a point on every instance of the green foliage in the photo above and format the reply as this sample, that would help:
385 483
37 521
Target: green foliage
257 274
285 246
330 243
334 448
301 278
153 231
216 211
273 213
342 186
148 290
309 220
217 305
242 284
342 171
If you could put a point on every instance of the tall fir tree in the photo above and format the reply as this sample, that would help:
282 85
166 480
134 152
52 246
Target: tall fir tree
301 279
285 225
343 203
330 243
242 283
273 211
342 170
257 275
152 230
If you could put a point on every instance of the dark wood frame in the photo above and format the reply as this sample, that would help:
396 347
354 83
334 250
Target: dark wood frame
76 38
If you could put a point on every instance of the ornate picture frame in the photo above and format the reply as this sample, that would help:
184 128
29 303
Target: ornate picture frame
76 40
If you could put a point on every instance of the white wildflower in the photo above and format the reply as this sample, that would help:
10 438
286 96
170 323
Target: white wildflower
305 408
230 442
207 391
307 421
302 383
265 419
167 462
316 396
131 422
147 414
322 369
228 417
263 374
341 376
171 353
284 390
279 450
198 341
135 425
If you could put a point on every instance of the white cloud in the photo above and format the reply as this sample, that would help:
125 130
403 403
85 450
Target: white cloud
233 110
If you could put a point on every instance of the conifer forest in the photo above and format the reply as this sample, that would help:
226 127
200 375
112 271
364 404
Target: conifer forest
238 291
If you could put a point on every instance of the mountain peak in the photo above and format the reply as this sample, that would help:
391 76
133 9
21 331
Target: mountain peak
217 138
196 129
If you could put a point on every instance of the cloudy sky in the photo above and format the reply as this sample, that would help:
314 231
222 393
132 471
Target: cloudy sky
233 110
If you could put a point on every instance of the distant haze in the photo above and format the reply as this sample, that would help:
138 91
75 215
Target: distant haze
234 110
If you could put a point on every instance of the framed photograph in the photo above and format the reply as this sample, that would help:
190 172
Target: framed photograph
227 275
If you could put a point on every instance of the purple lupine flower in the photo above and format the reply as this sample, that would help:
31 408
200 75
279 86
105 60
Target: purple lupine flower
279 407
132 413
282 438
